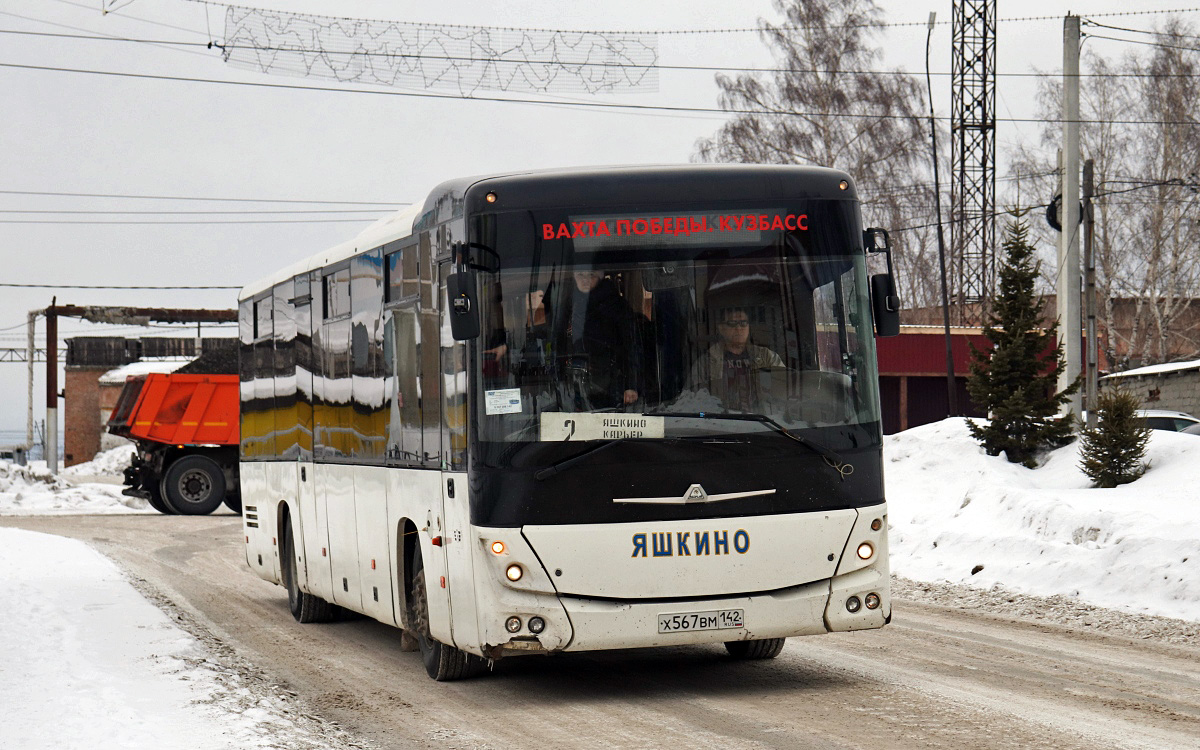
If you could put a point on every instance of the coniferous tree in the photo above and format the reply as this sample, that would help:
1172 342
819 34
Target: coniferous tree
1015 381
1112 453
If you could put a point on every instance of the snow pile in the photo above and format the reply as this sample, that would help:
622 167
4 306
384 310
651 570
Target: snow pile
110 463
33 490
89 663
146 366
959 515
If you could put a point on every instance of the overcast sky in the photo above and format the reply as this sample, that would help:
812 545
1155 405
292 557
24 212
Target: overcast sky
71 132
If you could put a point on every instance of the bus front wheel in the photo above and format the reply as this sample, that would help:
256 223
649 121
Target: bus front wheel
442 662
768 648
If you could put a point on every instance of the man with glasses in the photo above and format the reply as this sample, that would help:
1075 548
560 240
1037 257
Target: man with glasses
728 370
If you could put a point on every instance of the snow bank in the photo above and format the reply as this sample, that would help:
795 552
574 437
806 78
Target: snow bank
33 491
147 366
952 510
87 662
110 463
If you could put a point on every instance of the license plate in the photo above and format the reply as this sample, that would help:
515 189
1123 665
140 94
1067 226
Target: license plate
717 619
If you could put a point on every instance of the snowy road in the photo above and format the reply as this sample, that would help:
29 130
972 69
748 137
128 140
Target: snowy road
936 677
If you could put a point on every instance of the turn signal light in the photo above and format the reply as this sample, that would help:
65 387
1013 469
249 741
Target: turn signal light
865 550
513 624
498 547
514 572
871 600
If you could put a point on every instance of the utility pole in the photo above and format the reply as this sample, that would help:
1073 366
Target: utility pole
951 385
52 387
1069 318
1089 297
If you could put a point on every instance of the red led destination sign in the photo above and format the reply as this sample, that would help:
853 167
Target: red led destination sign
596 232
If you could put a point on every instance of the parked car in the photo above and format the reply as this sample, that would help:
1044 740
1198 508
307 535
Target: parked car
1172 421
1193 430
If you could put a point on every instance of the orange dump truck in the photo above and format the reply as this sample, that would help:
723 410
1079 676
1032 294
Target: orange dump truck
185 427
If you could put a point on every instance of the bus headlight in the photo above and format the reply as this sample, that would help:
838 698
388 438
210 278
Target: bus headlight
536 625
498 547
865 550
871 600
513 624
514 572
853 604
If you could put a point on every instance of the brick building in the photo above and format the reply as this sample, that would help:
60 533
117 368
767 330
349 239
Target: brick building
89 397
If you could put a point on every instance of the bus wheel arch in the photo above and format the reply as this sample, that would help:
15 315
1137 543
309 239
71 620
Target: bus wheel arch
442 662
304 607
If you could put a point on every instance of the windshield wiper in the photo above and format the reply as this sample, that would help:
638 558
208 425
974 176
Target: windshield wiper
836 462
567 463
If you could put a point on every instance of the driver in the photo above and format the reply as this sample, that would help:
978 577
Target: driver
727 369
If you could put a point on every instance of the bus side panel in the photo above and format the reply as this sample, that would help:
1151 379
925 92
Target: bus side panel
280 479
460 576
374 548
416 495
313 535
256 500
343 534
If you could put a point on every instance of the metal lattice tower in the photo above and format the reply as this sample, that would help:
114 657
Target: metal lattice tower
973 155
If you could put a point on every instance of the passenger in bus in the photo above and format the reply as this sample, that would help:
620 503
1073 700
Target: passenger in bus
728 369
595 341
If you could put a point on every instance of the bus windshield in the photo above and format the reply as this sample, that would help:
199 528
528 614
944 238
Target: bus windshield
726 321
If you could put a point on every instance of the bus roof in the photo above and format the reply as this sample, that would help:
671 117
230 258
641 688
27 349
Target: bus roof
584 186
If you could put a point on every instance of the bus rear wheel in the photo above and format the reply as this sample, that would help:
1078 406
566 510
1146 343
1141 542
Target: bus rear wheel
443 663
768 648
304 607
194 486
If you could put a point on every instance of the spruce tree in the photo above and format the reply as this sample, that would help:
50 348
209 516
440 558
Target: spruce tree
1015 381
1112 453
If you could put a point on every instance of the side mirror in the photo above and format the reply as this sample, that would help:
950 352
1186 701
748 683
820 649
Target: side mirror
464 309
885 305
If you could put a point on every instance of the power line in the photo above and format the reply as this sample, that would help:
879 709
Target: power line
1150 32
197 198
588 105
171 213
744 30
1142 43
182 222
103 286
502 60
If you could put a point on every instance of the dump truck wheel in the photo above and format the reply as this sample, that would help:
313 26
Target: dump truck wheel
155 498
194 486
234 503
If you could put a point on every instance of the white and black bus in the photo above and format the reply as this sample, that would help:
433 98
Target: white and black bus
574 410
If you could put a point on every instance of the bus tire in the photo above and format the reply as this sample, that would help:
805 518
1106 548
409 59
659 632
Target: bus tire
194 486
304 607
767 648
443 663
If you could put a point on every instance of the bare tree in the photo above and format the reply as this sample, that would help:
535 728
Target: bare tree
1140 129
823 108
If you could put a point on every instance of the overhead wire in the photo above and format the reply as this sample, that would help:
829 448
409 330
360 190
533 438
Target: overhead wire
139 196
523 61
507 100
